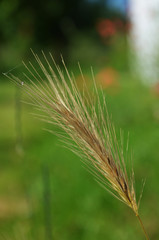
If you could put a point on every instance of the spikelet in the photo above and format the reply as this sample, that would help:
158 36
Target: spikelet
90 130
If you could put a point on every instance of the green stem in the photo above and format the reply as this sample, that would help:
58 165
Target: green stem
143 228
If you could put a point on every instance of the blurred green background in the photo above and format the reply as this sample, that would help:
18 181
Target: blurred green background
45 193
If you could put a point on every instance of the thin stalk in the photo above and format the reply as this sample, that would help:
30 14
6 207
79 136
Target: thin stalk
143 228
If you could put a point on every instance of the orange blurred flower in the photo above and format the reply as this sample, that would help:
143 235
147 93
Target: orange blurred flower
107 77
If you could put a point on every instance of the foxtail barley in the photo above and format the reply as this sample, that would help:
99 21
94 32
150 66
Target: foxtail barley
92 135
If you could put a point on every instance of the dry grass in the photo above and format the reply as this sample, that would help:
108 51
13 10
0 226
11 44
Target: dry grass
55 93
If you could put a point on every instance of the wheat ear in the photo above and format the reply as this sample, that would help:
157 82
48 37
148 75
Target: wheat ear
55 94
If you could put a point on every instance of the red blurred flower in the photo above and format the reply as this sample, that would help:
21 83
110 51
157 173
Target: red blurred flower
119 24
106 28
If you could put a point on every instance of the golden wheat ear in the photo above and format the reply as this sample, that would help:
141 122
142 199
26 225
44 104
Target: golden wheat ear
55 93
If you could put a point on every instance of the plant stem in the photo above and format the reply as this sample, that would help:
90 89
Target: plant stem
142 226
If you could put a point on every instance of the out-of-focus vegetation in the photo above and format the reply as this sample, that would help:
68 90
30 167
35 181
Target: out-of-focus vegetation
68 27
44 191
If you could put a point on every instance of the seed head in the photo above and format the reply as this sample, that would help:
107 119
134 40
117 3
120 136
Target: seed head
86 125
